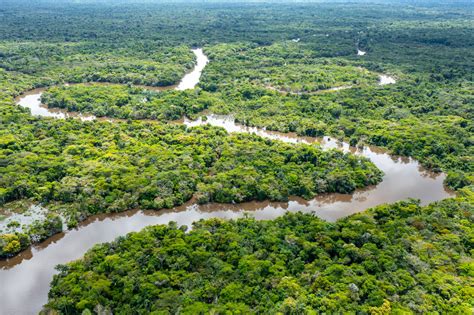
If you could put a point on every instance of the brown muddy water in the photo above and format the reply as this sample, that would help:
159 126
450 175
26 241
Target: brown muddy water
25 278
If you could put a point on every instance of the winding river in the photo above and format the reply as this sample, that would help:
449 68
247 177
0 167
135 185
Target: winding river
25 278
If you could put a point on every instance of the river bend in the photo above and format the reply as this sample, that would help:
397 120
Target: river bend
26 277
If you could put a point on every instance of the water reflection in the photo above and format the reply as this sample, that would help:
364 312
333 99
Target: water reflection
28 275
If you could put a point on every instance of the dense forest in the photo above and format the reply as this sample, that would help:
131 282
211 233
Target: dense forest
108 167
314 69
417 116
399 258
129 102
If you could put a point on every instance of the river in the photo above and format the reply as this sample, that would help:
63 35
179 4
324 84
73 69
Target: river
25 278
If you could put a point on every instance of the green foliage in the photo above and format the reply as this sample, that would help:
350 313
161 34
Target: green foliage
458 180
394 258
128 102
415 117
397 258
145 63
101 166
283 66
41 230
12 244
79 169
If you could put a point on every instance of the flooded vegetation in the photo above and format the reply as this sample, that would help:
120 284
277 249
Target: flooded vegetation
403 178
19 222
276 169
